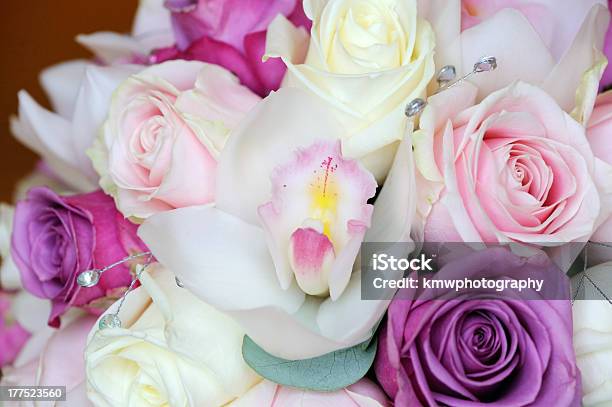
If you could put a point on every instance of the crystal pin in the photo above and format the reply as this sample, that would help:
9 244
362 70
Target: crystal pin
110 321
445 77
447 73
415 107
90 278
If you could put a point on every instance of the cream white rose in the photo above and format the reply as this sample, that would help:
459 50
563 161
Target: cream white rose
366 59
593 340
173 350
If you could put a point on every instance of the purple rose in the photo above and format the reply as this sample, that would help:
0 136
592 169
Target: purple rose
12 335
481 349
57 237
231 33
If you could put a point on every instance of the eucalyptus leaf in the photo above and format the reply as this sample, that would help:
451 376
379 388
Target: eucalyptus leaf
329 372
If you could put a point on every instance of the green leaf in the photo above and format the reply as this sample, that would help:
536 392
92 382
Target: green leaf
329 372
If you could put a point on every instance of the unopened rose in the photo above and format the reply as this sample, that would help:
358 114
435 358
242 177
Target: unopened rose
172 349
57 237
514 167
232 34
166 127
365 60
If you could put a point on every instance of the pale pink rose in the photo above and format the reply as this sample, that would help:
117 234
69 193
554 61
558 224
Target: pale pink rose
549 43
54 358
268 394
166 126
599 133
514 167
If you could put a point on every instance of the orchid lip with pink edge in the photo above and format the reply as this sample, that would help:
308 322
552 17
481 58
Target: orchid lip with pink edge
319 206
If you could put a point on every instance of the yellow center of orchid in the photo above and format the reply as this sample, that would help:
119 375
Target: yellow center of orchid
324 196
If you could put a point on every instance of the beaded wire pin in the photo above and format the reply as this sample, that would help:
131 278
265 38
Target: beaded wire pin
90 278
445 79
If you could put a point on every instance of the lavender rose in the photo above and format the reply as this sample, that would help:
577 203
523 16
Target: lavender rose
57 237
480 349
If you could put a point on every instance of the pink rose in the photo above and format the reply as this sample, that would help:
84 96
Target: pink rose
267 394
54 358
549 43
514 167
166 126
231 33
12 335
599 133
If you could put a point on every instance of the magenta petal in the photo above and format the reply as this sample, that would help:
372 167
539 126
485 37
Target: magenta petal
269 73
12 335
298 17
606 80
215 52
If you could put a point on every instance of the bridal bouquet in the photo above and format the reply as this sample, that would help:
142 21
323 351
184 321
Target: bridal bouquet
196 231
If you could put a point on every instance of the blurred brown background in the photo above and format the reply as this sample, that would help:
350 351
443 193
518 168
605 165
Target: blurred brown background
36 34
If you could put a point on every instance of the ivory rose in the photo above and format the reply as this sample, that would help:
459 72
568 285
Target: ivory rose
172 349
364 393
552 44
281 243
366 59
593 340
165 129
514 167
